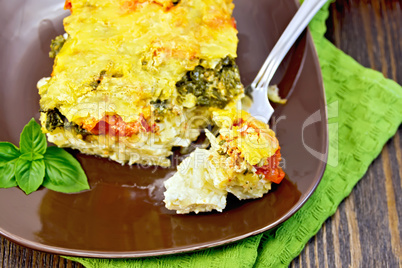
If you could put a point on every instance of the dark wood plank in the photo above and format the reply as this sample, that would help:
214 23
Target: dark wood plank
15 256
366 229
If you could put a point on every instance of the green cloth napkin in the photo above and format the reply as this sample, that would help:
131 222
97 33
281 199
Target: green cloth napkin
364 111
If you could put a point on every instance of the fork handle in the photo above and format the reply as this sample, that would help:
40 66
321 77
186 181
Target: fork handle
296 26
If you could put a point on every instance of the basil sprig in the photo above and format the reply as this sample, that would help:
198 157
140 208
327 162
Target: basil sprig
34 164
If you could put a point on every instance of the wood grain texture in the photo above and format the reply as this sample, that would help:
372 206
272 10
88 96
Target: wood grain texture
13 255
366 229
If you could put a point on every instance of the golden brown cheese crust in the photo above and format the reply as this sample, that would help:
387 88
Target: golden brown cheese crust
137 50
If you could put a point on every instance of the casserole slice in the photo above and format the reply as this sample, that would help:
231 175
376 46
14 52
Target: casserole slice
133 79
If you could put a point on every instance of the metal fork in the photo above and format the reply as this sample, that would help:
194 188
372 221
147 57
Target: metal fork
261 108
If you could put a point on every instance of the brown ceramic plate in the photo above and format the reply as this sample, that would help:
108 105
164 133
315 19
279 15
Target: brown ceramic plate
123 214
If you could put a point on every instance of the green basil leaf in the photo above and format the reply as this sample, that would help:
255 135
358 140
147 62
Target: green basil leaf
63 172
32 140
7 178
9 154
31 156
29 174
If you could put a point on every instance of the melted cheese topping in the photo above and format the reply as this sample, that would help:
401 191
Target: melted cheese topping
251 138
138 49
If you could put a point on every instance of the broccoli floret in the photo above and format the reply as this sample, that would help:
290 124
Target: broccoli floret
212 87
56 45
